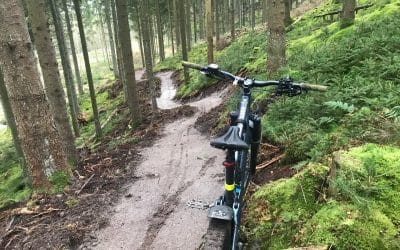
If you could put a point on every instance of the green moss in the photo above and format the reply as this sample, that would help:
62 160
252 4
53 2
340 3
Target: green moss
59 180
360 212
289 204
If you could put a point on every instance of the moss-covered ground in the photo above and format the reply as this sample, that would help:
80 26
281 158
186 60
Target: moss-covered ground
358 207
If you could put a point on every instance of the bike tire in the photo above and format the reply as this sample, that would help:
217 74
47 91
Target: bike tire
218 235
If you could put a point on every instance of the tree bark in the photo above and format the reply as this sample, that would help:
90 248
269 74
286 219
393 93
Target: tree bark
51 76
144 16
73 49
127 59
253 14
201 20
276 47
69 80
217 22
171 30
288 19
88 69
138 22
348 13
5 102
194 20
188 26
177 26
160 33
39 138
209 30
183 37
111 37
102 33
232 19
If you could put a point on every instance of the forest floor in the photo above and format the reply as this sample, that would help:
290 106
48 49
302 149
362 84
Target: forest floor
132 195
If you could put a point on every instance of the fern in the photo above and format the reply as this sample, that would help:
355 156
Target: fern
393 113
341 106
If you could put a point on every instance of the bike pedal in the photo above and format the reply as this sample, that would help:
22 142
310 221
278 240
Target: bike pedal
221 212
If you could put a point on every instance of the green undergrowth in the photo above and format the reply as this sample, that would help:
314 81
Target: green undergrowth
360 64
103 79
358 207
12 185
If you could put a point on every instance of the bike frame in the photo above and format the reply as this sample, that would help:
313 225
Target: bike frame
237 164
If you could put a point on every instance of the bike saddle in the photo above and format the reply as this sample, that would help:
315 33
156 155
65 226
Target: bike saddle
230 140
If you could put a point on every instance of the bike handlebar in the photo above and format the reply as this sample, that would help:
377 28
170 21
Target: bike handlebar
213 69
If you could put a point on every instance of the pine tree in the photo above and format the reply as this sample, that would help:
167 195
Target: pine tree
88 69
209 29
127 60
51 75
276 48
39 138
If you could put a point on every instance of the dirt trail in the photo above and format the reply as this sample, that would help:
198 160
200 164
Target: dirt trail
179 167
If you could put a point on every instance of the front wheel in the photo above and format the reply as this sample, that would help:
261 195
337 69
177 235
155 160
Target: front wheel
218 235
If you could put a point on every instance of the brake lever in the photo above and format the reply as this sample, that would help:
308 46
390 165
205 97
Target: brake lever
286 86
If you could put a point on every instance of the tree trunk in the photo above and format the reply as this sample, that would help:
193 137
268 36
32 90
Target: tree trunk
181 11
160 33
232 19
39 138
73 49
140 35
5 102
276 47
69 81
171 35
288 19
188 26
127 59
201 20
111 38
144 16
118 45
217 22
264 11
177 26
88 69
51 75
194 21
348 13
102 33
209 29
253 14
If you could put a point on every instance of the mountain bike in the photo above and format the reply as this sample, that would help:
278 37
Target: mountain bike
241 143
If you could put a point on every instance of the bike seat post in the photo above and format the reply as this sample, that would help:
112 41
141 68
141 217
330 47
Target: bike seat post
229 165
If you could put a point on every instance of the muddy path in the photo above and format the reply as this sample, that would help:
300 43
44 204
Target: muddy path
179 167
